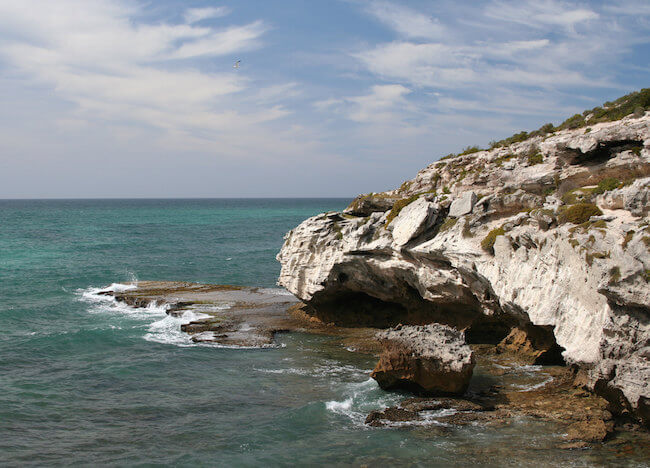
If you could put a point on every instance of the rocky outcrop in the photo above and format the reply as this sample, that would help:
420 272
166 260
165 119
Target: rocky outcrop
431 359
558 238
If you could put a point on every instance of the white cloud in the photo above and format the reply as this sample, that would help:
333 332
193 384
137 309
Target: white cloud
540 13
95 55
194 15
379 105
407 22
228 41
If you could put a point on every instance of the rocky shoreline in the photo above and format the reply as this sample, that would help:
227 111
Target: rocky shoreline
539 247
504 385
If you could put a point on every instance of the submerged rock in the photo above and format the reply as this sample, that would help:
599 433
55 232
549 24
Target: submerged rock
431 359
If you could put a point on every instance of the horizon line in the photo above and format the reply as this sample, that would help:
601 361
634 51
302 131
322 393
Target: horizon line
174 198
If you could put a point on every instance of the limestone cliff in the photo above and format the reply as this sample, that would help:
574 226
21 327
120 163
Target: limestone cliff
549 236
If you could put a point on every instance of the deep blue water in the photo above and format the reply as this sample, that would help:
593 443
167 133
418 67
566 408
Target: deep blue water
86 382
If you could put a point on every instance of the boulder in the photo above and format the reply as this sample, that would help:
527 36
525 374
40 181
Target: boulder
413 220
431 359
365 205
462 205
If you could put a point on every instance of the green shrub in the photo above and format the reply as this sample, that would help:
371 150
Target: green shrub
488 242
467 232
501 159
399 206
405 186
589 257
628 237
470 150
337 229
614 275
636 103
448 224
579 195
573 122
578 213
535 158
606 185
446 190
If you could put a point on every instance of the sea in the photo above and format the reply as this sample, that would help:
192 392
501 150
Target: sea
85 381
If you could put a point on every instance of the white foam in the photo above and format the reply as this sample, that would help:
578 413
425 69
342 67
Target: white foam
330 369
106 304
359 399
164 328
528 388
339 406
168 329
119 287
427 418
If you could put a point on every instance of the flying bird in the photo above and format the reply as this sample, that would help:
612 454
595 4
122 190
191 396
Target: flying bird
236 65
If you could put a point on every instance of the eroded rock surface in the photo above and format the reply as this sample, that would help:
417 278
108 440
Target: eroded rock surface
430 359
228 315
559 238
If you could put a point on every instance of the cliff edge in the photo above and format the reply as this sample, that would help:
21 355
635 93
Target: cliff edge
540 244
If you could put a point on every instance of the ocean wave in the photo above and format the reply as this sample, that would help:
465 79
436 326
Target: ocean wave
359 399
168 329
164 329
426 418
106 304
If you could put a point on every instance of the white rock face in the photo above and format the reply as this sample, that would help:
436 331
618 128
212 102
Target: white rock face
588 283
462 205
412 221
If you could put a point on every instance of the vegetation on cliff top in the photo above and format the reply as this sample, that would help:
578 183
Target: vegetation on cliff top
636 103
399 206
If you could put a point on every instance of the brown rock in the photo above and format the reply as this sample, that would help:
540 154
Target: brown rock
431 359
380 418
592 430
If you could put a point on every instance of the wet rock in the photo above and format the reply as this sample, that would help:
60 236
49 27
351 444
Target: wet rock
535 343
591 430
393 414
429 404
431 359
229 315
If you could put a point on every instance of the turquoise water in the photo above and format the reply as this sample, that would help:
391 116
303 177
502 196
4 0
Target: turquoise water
86 382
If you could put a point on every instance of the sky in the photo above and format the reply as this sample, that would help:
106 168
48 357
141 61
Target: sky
128 98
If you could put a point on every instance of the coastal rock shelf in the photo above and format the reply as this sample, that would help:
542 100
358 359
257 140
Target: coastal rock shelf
227 315
542 245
